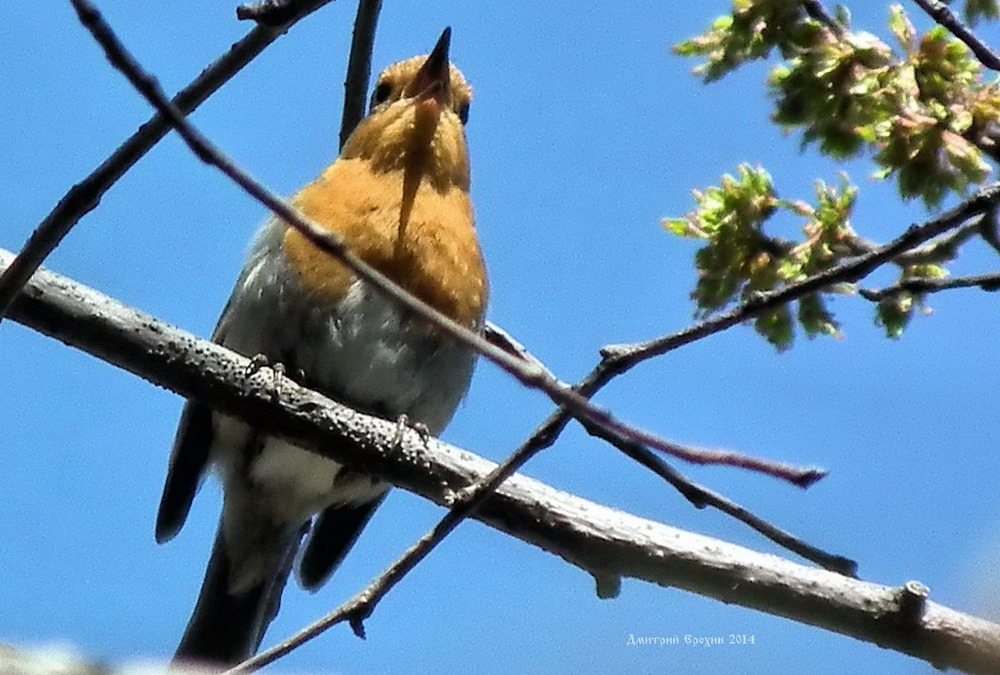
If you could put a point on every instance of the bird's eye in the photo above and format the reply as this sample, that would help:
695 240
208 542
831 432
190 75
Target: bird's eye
381 94
463 113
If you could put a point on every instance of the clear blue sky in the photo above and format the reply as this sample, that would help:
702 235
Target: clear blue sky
584 133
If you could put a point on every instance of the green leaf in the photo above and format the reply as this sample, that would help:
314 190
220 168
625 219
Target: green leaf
776 327
894 314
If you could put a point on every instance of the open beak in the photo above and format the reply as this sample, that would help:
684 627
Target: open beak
433 80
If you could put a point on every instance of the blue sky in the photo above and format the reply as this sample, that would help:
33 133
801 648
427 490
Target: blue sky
584 133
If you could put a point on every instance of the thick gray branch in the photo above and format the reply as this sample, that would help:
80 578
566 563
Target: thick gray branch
607 543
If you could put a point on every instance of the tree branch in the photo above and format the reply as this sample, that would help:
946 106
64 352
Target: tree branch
700 497
986 282
266 12
84 197
989 230
936 252
944 16
619 358
817 11
359 67
604 542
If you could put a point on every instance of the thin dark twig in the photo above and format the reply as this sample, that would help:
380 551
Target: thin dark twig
333 245
816 10
989 230
498 337
700 497
471 498
267 12
942 249
360 607
86 195
944 16
617 360
359 67
986 282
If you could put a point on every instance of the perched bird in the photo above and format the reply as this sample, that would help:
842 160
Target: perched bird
399 196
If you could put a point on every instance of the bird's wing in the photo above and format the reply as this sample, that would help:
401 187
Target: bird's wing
187 464
333 534
193 442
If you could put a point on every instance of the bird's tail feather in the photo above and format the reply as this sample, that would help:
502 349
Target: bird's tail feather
226 629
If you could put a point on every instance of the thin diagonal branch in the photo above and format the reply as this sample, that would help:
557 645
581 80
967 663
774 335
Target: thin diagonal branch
498 337
267 12
989 230
700 497
333 245
601 541
86 195
937 252
359 67
816 10
944 16
986 282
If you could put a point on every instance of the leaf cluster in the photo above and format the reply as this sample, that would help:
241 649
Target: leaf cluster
920 110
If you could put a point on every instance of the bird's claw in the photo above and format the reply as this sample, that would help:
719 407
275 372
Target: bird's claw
402 422
277 380
259 361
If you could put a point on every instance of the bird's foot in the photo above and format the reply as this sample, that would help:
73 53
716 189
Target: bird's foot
278 370
403 422
277 380
257 361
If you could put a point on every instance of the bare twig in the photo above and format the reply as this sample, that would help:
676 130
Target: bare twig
986 282
700 497
619 359
937 252
86 195
333 245
359 67
944 16
941 250
989 230
498 337
817 11
266 12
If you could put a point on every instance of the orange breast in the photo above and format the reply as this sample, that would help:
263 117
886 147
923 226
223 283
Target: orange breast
429 248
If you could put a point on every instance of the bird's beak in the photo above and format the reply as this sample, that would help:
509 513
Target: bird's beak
433 80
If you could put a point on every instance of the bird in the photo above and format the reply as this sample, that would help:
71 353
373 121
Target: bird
398 196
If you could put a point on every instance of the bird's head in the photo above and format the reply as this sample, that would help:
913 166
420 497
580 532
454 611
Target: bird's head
417 120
